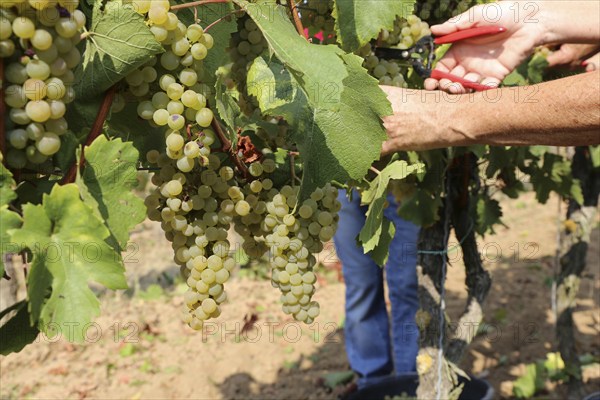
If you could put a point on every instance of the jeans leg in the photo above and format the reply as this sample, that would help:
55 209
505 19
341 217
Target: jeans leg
367 326
401 277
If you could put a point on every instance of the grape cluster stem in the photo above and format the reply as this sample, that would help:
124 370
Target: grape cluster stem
227 147
94 133
297 21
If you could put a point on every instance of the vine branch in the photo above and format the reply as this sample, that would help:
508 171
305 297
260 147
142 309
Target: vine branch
222 18
227 147
297 21
196 3
94 133
2 110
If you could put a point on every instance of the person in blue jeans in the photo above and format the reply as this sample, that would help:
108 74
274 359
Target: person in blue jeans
376 346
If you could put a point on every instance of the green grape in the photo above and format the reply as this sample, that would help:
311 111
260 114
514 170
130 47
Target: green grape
157 15
160 100
23 28
169 61
204 117
175 91
55 89
176 122
18 138
19 116
41 39
175 107
161 117
38 69
57 109
146 110
188 77
66 27
49 144
38 110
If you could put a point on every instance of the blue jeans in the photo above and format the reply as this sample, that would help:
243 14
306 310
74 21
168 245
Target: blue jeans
372 353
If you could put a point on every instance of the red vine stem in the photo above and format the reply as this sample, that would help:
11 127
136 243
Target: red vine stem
297 21
196 3
94 133
2 110
227 147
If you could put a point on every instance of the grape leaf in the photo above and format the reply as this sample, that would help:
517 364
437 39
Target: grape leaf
106 182
228 109
322 81
535 68
359 21
17 332
375 197
489 213
595 156
69 250
7 186
381 252
118 42
338 144
8 219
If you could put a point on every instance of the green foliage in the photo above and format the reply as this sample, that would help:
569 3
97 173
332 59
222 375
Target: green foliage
322 134
118 42
8 219
69 250
106 186
359 21
530 382
488 214
17 332
376 230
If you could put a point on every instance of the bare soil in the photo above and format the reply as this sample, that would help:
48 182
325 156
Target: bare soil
140 350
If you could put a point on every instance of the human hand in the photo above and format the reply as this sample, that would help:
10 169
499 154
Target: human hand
592 63
575 55
416 124
489 59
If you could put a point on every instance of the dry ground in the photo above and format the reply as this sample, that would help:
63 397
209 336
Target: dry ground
140 349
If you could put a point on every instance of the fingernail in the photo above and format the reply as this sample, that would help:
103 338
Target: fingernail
584 63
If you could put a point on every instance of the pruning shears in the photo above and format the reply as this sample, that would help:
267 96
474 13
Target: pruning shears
422 54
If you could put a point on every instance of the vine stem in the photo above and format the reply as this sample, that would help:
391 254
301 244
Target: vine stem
196 3
94 133
297 21
2 110
222 19
227 147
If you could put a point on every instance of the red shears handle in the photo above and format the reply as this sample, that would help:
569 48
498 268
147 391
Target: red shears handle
438 75
462 35
469 33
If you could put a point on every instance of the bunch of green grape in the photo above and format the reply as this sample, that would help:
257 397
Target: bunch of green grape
169 91
294 239
406 33
316 16
200 191
439 11
38 41
245 46
196 209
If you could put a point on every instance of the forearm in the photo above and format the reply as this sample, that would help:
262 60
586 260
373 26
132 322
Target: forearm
567 21
564 112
